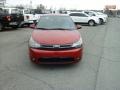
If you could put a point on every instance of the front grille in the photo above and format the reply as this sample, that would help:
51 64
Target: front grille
56 59
56 47
47 46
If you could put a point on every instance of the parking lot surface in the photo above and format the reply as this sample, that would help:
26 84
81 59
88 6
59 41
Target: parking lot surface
98 70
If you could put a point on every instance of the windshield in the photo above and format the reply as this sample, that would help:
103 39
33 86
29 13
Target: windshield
99 13
56 22
91 13
28 12
14 11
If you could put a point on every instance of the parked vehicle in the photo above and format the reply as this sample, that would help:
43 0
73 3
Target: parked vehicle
29 17
80 17
10 17
55 40
102 17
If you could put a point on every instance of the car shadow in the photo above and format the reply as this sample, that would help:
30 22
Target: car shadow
82 24
9 29
49 67
55 66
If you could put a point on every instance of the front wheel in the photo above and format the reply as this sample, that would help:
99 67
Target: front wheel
1 27
101 21
14 27
91 23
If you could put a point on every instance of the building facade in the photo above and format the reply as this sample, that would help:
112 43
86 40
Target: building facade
2 3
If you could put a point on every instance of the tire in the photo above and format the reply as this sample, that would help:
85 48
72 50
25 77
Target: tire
91 23
22 26
101 21
14 27
1 27
28 24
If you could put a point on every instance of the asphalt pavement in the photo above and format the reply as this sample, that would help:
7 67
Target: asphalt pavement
98 70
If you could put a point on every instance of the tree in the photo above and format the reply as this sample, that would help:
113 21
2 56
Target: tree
62 11
40 8
20 6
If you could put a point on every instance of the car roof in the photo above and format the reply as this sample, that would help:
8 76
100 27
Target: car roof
78 12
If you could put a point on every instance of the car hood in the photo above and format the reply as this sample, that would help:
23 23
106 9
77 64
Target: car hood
56 37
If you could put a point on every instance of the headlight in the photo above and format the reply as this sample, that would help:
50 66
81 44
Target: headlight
78 44
33 43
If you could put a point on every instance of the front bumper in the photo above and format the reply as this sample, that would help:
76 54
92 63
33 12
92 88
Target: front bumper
10 23
105 20
97 21
58 56
30 21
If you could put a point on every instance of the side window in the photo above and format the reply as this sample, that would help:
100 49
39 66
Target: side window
74 14
92 14
26 11
82 15
6 11
87 13
21 12
78 14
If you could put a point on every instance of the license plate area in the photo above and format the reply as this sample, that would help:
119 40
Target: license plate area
61 59
13 23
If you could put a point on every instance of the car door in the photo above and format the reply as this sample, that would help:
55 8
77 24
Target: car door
83 18
79 17
73 16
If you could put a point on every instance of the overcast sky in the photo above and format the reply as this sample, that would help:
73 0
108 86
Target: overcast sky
69 4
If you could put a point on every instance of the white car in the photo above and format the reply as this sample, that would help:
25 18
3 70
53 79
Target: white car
29 17
83 18
102 17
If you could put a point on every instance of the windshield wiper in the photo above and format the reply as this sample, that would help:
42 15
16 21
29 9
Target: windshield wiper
59 29
54 28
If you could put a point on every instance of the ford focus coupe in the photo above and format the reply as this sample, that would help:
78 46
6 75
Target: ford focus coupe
55 40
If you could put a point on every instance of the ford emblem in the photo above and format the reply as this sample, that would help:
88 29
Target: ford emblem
56 46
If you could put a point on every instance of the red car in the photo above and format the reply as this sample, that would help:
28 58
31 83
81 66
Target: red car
55 40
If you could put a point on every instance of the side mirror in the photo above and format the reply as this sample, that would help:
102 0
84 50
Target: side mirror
32 26
78 26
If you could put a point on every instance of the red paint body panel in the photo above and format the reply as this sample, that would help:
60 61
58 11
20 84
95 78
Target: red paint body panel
43 50
73 53
56 37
